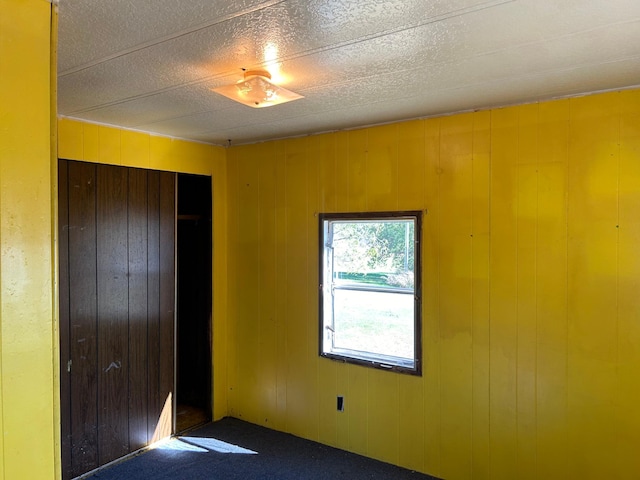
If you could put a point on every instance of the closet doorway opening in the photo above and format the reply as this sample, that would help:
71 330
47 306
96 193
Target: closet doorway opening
194 302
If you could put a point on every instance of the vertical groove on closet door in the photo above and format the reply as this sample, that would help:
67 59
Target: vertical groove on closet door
113 364
63 286
167 295
137 233
82 317
153 302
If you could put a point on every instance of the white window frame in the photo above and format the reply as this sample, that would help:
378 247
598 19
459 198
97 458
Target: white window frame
328 285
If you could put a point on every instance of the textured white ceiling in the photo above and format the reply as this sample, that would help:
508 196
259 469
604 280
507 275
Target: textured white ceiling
151 64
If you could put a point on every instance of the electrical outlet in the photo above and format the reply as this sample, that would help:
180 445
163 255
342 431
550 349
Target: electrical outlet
340 403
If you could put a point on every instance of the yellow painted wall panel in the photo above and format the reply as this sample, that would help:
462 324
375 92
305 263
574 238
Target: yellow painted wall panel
481 334
357 404
311 340
248 284
455 274
70 137
219 319
267 373
300 378
592 284
98 143
135 149
503 294
411 192
342 420
220 358
233 289
411 165
527 230
431 300
342 171
411 431
191 157
109 146
312 301
281 286
323 148
356 159
383 416
29 408
551 284
327 403
160 153
628 417
381 170
90 143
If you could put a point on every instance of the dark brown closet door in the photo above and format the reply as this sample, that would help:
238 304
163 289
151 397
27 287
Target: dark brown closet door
117 283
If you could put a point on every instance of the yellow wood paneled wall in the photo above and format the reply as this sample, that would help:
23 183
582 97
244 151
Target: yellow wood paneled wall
27 375
531 315
109 145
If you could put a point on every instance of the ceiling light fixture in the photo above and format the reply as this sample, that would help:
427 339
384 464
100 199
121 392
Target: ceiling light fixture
257 91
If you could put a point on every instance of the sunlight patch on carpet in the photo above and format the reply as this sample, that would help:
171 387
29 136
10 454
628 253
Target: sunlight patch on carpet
203 445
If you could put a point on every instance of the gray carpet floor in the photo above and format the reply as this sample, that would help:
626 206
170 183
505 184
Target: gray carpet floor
231 449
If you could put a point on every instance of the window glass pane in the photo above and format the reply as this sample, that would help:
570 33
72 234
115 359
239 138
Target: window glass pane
374 322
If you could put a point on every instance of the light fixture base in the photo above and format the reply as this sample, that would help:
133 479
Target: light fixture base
257 91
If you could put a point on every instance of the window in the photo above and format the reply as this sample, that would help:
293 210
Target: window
370 289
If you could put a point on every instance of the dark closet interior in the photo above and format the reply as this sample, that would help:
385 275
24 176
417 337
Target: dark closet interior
193 382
